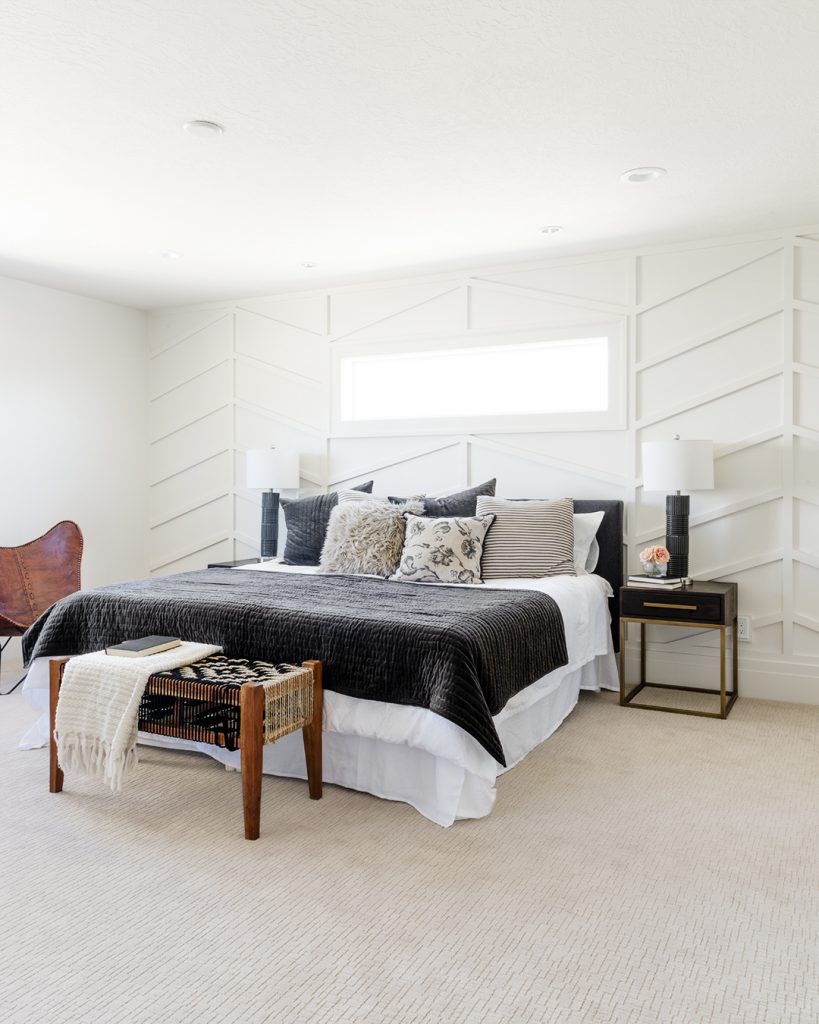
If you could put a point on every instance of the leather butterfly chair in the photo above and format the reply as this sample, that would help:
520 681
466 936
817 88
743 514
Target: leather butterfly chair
35 575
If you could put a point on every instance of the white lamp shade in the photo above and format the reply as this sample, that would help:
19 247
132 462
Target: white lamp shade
678 465
272 469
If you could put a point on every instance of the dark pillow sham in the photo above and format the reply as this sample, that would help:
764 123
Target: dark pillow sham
461 504
306 520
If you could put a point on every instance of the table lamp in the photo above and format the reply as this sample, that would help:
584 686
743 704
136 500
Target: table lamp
271 470
678 466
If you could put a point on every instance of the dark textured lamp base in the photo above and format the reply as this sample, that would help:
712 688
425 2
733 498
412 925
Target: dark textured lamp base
676 533
270 524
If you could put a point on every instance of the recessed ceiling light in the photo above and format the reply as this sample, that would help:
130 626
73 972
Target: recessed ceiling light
204 129
308 266
551 229
640 175
170 254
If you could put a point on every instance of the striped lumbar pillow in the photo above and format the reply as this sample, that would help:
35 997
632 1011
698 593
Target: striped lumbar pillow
528 538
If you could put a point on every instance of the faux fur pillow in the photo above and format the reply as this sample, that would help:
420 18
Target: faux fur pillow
443 550
365 537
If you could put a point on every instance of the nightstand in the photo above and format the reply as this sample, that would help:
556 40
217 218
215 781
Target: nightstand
233 565
702 604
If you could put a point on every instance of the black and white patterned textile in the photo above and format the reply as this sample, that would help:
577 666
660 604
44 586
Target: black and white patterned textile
528 538
460 652
443 550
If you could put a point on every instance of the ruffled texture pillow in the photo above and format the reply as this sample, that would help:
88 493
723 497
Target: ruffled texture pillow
365 537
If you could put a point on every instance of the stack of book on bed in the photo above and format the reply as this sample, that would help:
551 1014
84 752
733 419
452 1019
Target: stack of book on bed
665 582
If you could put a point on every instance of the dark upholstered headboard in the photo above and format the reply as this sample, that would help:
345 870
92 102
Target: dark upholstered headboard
610 566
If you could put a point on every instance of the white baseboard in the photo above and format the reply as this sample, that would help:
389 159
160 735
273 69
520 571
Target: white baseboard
775 678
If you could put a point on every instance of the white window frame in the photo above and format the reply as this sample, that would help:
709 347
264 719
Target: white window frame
612 418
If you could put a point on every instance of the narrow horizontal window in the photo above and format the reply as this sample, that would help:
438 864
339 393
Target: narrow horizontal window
471 383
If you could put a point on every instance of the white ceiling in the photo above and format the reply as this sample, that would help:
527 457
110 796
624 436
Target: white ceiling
376 137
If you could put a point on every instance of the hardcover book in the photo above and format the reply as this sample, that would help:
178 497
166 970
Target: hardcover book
674 583
143 647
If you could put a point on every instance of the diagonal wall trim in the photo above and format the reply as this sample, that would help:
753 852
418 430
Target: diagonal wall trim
186 336
276 320
811 497
378 467
395 313
715 513
806 369
557 298
806 621
277 417
190 423
719 572
541 459
193 549
243 357
739 384
188 380
806 558
190 465
716 334
187 509
646 306
251 542
721 451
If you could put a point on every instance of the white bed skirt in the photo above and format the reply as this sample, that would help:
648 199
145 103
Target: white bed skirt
401 753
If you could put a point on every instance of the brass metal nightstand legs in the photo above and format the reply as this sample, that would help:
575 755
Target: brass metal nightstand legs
727 698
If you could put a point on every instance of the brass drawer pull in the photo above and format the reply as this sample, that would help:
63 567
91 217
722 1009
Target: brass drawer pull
681 607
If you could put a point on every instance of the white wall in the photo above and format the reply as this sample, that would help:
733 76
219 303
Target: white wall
73 378
723 343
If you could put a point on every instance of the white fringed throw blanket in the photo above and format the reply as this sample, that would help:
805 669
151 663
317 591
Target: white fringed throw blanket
96 722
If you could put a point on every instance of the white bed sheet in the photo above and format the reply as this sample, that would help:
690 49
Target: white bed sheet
412 754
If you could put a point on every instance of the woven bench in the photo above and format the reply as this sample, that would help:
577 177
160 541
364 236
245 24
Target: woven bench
232 703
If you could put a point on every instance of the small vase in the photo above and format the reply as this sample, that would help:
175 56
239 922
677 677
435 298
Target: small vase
654 568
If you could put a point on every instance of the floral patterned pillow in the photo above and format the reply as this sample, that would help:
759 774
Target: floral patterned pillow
443 550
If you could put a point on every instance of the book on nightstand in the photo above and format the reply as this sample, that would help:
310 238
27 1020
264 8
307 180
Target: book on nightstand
143 647
661 582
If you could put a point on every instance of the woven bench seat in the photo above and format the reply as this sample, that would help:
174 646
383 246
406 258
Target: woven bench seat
233 703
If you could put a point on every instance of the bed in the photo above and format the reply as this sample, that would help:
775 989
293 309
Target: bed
441 762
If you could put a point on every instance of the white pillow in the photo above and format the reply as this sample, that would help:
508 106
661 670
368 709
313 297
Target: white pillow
586 548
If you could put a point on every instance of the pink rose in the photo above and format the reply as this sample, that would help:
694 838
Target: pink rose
655 555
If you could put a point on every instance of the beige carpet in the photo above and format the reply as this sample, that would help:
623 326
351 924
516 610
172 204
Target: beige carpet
638 867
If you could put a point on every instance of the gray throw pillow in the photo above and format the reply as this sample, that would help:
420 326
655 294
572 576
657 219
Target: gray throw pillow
462 503
443 550
529 538
306 520
365 537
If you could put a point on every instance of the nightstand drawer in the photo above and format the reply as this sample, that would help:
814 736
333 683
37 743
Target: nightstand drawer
677 604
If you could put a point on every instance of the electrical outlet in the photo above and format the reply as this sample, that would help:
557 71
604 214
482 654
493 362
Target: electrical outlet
744 627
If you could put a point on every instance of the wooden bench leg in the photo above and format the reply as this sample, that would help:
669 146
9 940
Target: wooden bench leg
311 734
55 773
251 726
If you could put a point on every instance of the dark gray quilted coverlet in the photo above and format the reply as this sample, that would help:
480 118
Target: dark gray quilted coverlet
461 652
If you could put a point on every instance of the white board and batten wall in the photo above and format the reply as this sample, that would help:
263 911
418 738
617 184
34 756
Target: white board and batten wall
722 343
